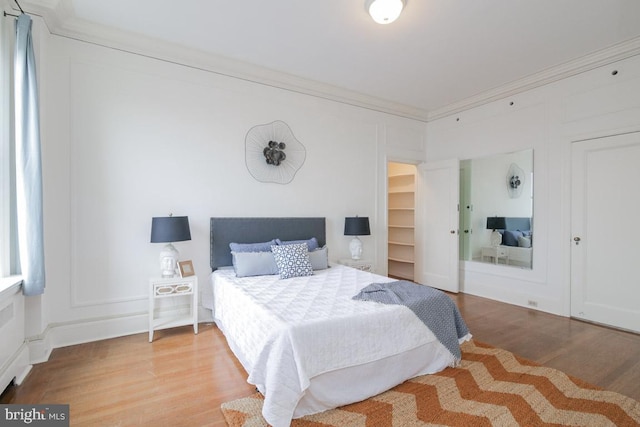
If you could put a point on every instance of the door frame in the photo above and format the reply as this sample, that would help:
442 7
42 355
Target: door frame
577 203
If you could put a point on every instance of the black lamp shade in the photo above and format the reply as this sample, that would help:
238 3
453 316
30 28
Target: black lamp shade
170 229
496 223
356 226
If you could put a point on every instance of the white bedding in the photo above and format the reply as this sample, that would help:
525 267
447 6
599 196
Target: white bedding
288 333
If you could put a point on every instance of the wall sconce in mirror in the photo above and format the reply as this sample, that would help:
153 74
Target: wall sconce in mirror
515 181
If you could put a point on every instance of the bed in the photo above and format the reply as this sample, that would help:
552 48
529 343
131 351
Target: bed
305 343
517 240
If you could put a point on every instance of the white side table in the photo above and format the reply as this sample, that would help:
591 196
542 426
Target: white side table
496 253
173 287
360 264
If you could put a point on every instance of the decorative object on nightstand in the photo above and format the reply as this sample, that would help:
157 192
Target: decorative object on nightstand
496 223
360 264
356 226
163 288
186 268
167 230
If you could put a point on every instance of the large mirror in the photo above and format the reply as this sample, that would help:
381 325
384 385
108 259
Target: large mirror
496 209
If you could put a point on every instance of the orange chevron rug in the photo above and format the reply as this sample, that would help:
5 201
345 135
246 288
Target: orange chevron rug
492 387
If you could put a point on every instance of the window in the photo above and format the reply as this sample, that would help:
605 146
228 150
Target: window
8 239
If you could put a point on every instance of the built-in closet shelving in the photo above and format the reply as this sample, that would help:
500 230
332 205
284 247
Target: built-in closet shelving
401 220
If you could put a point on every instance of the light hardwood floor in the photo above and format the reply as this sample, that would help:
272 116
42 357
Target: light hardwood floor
181 379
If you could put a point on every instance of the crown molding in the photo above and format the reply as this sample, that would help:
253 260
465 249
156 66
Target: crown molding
586 63
61 21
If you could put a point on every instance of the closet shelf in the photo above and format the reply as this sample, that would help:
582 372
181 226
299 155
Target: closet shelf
401 243
406 261
401 211
401 276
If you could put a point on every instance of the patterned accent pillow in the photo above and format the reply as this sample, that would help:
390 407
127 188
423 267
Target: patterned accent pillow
292 260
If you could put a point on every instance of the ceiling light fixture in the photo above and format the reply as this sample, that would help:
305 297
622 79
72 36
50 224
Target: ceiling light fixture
384 11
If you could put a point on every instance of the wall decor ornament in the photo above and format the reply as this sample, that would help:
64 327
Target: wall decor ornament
515 181
272 153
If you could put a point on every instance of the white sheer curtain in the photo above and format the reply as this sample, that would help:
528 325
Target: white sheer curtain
28 162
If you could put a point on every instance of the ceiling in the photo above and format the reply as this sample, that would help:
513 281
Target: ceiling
440 55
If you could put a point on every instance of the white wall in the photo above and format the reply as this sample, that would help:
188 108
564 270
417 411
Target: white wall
547 119
127 137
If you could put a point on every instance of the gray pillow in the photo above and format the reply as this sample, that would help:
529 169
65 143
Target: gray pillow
524 242
319 258
292 260
252 247
254 263
312 243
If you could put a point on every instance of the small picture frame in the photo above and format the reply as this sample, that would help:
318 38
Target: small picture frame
186 268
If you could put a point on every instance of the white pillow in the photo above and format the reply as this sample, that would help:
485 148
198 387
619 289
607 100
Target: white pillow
524 242
292 260
319 258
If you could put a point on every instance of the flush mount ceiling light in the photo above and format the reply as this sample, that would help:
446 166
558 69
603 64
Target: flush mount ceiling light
384 11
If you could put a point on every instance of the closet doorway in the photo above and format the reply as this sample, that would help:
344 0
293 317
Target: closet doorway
401 220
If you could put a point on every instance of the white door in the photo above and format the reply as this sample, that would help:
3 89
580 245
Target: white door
437 224
605 207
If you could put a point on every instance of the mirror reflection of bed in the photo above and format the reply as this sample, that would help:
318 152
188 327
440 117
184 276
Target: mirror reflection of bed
497 187
511 242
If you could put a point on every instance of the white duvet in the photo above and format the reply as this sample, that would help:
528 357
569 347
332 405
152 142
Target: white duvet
286 332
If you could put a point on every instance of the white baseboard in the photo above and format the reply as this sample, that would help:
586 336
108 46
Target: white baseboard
58 335
64 334
514 297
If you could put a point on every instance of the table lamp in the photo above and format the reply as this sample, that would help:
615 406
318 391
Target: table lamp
167 230
356 226
496 223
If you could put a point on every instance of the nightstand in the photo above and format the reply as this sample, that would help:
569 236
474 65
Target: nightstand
173 287
360 264
496 253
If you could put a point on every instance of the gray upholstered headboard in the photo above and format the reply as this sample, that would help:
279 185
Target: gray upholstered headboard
252 230
514 223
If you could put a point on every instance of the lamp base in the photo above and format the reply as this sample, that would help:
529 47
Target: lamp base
168 261
356 248
496 238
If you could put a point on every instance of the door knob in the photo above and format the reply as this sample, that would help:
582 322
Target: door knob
577 240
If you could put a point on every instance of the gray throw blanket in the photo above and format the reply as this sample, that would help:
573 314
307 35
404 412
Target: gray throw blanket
433 307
